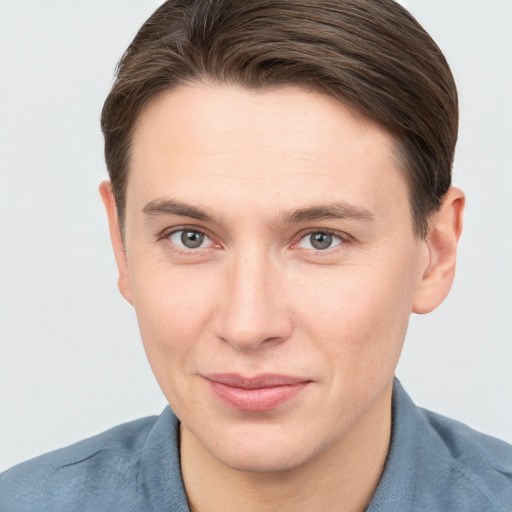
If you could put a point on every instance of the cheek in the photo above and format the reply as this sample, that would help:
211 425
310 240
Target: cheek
360 317
173 307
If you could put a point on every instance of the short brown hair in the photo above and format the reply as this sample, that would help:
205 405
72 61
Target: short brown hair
370 54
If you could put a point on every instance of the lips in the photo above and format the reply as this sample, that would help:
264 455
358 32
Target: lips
255 394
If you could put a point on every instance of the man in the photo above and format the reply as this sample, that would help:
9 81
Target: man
279 203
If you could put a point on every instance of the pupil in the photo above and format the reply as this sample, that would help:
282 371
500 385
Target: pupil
321 240
192 239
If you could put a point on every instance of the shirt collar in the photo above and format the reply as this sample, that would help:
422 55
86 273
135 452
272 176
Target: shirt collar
397 486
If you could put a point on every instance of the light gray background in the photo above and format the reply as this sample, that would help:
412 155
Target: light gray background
71 361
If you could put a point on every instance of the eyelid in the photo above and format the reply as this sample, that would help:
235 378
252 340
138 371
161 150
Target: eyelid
344 237
166 233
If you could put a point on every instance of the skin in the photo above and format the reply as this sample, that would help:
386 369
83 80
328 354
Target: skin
257 297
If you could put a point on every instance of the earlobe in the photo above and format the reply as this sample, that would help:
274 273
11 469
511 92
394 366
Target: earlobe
442 240
117 239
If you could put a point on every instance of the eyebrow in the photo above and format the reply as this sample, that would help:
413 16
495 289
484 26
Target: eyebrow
338 210
172 207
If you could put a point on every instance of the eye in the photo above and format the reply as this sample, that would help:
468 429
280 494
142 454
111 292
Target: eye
189 239
319 241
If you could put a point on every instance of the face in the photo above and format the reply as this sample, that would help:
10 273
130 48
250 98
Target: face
271 261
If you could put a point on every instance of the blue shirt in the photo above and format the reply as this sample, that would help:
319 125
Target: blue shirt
434 465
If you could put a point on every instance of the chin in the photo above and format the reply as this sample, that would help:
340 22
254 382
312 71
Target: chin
264 456
261 461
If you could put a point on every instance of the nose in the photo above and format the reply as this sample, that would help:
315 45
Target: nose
253 310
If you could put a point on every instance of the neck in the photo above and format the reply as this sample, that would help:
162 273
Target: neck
342 478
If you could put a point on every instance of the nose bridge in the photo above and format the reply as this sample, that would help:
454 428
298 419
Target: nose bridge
253 312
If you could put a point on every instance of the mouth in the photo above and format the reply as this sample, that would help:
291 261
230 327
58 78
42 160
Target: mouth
255 394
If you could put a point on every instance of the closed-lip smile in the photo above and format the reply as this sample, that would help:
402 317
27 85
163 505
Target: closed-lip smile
255 394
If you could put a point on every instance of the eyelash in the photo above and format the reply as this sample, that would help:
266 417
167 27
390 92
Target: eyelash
168 232
343 237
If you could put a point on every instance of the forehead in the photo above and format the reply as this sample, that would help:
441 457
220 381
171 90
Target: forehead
272 148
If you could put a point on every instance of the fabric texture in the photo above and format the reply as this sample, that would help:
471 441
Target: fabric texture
434 465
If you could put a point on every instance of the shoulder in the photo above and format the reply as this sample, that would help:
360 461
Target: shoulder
467 446
467 466
437 464
473 452
58 480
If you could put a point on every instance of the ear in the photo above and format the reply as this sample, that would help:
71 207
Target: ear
444 233
117 239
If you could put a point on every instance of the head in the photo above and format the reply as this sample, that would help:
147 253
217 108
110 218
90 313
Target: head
279 204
